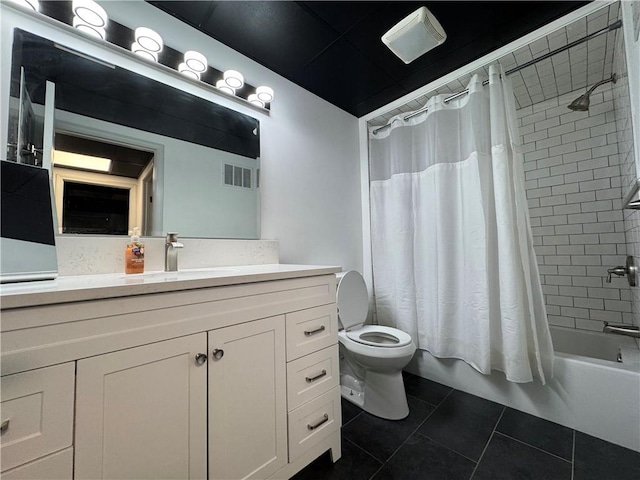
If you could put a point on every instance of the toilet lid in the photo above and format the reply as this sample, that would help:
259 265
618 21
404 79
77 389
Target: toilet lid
352 299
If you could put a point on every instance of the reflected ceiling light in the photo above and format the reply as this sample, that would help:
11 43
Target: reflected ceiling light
184 69
98 32
83 162
222 85
233 78
265 93
148 39
90 13
195 61
253 98
143 52
31 4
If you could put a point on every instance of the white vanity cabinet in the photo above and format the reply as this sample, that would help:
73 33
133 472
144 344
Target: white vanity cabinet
187 384
247 400
142 412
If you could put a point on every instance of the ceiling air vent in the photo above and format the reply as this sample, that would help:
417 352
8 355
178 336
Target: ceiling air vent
415 35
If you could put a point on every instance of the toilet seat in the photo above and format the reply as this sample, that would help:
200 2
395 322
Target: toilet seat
379 336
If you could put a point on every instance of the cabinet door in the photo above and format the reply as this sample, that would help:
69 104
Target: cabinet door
142 412
247 400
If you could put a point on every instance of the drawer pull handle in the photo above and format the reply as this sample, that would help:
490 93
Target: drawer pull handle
4 427
325 418
308 333
201 358
313 379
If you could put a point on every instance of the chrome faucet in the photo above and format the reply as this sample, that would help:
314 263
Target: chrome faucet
171 252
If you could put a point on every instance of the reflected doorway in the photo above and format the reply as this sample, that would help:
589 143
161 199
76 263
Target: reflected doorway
101 188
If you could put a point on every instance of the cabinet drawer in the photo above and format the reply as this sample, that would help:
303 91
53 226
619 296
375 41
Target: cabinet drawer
58 466
312 375
313 422
311 330
39 408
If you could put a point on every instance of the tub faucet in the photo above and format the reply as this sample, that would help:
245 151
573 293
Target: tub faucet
629 330
171 252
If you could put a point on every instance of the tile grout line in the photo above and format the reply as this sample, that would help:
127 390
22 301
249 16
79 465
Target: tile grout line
345 424
447 448
504 408
534 447
413 431
359 447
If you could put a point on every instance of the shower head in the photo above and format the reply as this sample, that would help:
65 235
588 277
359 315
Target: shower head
581 104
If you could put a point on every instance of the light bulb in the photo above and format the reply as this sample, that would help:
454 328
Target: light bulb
233 78
184 69
265 93
195 61
90 12
98 32
253 98
222 85
143 52
30 4
148 39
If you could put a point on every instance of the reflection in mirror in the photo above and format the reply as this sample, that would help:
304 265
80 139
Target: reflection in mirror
101 188
176 162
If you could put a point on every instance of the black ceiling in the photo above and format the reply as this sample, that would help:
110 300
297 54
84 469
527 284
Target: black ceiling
333 49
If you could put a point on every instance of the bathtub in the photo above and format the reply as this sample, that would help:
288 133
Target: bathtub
590 391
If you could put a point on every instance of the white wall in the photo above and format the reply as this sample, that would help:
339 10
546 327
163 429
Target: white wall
310 177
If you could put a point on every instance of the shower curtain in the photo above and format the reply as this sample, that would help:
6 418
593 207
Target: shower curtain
453 258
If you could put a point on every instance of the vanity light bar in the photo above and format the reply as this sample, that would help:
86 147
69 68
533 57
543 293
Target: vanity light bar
92 19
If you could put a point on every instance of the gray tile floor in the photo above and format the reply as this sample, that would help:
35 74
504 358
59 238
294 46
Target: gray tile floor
452 435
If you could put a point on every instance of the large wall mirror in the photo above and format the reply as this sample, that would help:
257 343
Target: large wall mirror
131 151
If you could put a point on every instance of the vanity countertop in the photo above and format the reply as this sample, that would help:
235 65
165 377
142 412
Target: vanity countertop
95 287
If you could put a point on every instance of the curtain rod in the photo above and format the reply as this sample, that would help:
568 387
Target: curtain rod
615 25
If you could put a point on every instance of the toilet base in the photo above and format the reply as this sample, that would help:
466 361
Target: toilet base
383 395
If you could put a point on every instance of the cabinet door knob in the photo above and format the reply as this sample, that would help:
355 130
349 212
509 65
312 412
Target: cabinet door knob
217 353
4 427
201 358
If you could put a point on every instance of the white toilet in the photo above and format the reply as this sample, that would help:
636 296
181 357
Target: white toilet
371 356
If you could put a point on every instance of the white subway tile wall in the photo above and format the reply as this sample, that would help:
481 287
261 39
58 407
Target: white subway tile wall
628 173
574 190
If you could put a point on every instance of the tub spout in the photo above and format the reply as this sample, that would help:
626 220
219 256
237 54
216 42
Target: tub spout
629 330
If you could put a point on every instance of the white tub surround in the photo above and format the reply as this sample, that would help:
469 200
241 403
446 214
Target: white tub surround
590 394
158 374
